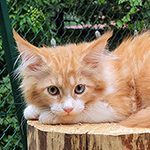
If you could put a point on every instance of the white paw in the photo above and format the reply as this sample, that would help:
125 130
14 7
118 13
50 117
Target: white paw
47 117
31 112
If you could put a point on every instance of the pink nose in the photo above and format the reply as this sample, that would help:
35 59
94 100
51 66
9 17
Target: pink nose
68 110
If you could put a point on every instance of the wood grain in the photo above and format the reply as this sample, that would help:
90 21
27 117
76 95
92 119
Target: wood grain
108 136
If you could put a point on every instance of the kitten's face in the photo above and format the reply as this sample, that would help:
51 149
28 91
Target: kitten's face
65 79
66 96
64 89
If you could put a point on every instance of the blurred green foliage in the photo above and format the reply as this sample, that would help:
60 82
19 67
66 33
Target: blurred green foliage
137 15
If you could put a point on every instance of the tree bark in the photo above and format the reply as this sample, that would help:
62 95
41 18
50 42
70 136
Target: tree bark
108 136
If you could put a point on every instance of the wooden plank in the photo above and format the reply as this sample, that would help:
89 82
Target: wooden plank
108 136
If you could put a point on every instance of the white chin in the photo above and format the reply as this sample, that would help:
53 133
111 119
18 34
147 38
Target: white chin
68 118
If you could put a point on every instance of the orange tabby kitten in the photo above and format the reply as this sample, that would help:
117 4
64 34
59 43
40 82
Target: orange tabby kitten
84 83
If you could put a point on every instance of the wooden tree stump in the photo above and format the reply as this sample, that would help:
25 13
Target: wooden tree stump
108 136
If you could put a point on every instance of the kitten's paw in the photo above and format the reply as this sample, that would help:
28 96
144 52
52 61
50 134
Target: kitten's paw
47 117
31 112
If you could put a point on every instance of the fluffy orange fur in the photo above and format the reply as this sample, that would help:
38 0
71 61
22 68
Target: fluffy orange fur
120 79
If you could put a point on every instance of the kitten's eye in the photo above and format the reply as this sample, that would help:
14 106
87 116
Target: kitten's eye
53 90
79 89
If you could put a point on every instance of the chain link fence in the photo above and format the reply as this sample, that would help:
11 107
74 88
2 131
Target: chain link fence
66 21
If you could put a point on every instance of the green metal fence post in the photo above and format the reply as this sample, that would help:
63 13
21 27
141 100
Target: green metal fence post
10 56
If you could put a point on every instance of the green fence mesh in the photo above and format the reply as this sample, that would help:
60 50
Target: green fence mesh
40 21
9 127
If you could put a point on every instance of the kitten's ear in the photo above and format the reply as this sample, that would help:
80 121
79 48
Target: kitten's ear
23 46
32 60
96 49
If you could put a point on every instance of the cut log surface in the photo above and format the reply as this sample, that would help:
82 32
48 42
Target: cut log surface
105 136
